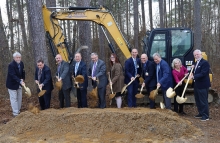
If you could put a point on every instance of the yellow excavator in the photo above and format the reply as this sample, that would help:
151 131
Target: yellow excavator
169 42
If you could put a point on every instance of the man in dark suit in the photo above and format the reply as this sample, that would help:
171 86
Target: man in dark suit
132 69
164 77
97 70
201 85
44 79
149 76
79 68
15 78
63 74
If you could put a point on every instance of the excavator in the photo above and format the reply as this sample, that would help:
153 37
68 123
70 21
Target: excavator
170 43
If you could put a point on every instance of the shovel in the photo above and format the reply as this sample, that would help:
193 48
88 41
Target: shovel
179 99
76 84
112 95
171 92
153 93
58 84
162 106
42 92
123 89
28 91
140 95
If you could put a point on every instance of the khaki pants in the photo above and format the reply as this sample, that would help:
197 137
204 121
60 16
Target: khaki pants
15 99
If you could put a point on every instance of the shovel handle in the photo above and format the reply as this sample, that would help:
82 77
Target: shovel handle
187 83
181 81
141 88
39 87
111 82
132 80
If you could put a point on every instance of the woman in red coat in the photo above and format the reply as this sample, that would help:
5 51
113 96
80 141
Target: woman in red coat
179 71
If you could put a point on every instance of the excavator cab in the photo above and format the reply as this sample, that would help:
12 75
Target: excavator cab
170 43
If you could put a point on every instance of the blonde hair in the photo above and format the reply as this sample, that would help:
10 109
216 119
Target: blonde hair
174 61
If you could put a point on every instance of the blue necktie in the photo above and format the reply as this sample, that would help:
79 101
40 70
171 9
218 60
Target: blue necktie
158 68
135 66
76 67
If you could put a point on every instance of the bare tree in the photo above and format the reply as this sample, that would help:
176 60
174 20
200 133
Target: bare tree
136 24
21 22
150 14
85 33
197 24
101 38
37 30
10 21
143 15
161 11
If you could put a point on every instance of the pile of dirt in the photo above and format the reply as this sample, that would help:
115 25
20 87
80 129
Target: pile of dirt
99 125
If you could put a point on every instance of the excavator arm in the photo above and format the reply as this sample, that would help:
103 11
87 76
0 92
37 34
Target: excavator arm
100 16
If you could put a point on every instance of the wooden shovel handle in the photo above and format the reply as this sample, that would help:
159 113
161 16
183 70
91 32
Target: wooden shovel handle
111 82
39 87
132 80
141 88
187 83
181 81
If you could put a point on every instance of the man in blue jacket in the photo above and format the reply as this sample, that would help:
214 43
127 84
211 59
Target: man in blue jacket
132 69
202 83
44 79
79 68
149 76
164 77
15 78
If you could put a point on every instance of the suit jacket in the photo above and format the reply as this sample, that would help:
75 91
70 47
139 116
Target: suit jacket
65 75
81 71
149 74
201 75
117 77
130 69
165 76
100 73
45 79
14 76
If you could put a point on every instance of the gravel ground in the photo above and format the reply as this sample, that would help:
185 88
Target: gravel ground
106 125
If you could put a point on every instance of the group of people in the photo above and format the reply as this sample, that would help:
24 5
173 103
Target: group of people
156 74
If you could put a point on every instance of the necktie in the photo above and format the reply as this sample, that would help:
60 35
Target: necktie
158 68
58 69
39 74
19 68
94 68
197 62
135 65
76 67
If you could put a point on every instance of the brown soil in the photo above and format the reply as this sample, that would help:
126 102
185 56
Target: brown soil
105 125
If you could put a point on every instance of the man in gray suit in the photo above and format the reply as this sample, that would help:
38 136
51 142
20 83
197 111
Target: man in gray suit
63 75
97 70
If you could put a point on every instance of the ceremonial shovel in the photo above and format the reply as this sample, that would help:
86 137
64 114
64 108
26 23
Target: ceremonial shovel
123 89
58 84
112 95
42 92
153 93
140 95
28 91
179 99
171 92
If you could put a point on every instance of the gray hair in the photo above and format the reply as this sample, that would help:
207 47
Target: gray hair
94 54
156 54
197 50
16 54
174 61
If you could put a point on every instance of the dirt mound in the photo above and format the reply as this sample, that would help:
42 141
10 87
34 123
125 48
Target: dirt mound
99 125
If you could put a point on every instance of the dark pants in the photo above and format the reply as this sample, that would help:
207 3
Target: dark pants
45 100
178 107
82 98
201 98
132 91
101 95
64 95
152 102
166 100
